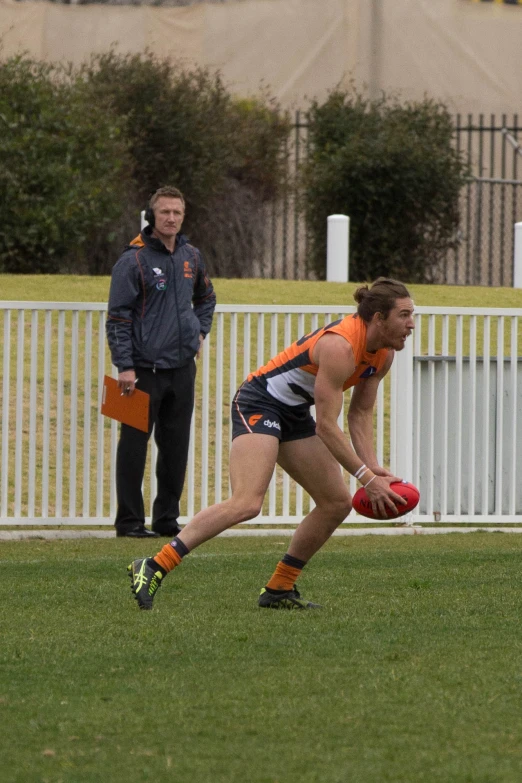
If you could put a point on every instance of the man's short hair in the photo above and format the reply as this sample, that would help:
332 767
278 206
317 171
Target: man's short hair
379 297
168 192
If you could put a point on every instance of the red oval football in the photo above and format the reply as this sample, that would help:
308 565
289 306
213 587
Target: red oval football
408 491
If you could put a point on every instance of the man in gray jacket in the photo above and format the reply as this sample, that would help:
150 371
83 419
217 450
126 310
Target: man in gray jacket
161 305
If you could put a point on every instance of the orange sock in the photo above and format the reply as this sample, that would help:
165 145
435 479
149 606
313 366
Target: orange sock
284 577
168 558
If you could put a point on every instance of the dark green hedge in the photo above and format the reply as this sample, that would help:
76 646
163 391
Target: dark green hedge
393 169
83 149
64 168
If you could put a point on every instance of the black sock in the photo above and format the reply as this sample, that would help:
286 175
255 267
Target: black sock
293 562
179 546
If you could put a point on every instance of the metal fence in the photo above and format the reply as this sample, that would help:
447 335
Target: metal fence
490 204
489 209
447 417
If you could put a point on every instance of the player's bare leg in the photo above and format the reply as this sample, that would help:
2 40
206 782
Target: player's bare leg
252 461
310 463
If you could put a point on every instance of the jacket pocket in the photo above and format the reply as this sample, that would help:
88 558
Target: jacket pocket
191 331
147 341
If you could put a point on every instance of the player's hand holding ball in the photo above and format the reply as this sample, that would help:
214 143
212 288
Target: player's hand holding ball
385 498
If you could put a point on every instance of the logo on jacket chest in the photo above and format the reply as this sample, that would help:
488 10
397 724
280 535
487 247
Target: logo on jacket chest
187 270
159 278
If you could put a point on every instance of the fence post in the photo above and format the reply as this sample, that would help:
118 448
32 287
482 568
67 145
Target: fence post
401 445
337 248
517 260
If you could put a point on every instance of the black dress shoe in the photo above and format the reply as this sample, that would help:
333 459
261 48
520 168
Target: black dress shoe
169 531
136 532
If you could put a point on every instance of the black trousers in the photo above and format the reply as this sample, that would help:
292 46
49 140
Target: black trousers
171 405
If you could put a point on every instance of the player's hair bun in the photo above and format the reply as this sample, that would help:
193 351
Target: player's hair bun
360 293
380 297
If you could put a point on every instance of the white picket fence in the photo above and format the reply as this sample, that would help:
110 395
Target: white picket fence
447 416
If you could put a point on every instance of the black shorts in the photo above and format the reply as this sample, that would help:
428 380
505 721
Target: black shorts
258 412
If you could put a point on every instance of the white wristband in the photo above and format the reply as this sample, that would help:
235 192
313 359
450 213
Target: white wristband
370 481
362 470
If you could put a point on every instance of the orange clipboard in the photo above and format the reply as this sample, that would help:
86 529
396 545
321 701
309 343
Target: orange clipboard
131 409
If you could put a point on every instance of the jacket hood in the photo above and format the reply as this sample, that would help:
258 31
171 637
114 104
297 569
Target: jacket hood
145 238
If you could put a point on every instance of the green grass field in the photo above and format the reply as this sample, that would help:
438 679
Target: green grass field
77 288
411 672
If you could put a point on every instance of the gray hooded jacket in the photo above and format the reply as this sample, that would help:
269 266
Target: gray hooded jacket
159 304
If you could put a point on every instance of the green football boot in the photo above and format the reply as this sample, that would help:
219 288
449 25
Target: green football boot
145 576
289 600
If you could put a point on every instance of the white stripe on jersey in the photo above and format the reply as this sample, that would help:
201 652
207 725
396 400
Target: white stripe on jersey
277 386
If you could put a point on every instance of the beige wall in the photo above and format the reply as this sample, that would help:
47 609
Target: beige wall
462 52
296 47
468 54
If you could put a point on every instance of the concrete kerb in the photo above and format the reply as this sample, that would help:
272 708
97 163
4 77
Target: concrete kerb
405 530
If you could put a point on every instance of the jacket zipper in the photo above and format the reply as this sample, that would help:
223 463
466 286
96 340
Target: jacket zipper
180 344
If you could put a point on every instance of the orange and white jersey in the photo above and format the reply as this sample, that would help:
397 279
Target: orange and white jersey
290 376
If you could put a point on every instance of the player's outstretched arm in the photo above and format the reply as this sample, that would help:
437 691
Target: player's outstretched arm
334 356
361 420
335 359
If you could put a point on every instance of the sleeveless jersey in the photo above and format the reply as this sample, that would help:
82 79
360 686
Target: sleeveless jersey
290 376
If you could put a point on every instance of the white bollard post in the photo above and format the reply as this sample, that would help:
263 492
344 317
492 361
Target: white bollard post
517 260
143 221
402 403
337 248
